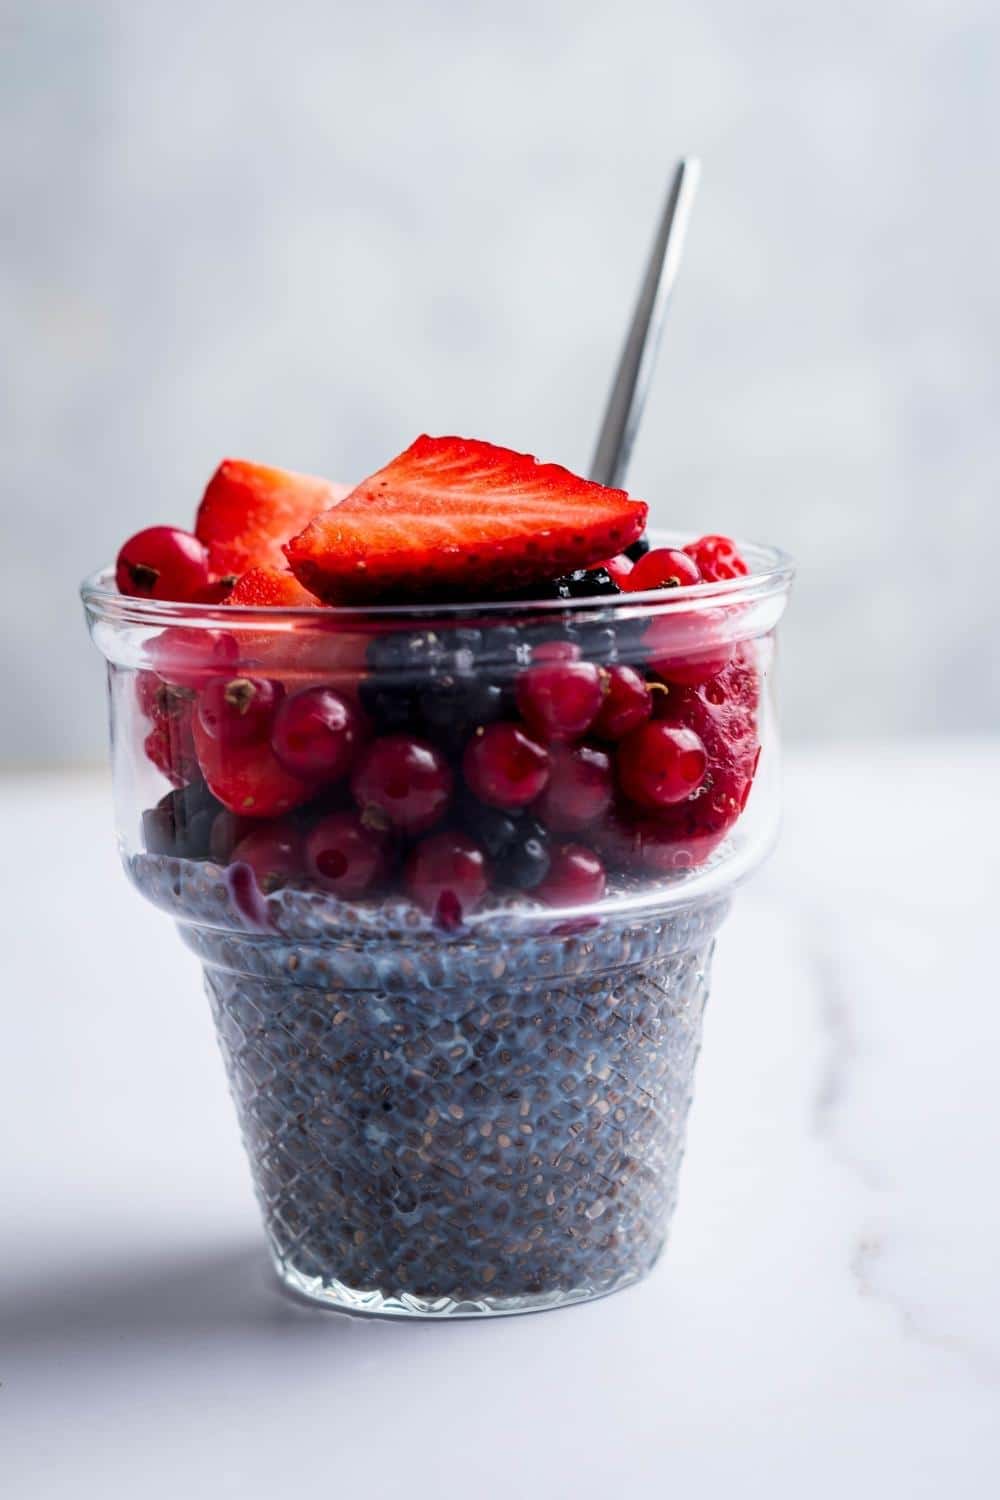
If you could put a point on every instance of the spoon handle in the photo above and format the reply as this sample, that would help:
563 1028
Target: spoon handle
638 357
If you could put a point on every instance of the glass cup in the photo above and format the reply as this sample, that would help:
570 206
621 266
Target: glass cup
462 1089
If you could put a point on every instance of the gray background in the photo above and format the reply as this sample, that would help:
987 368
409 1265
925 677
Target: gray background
303 233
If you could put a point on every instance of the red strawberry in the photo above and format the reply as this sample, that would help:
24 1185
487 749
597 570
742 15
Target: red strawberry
248 779
248 511
452 518
271 586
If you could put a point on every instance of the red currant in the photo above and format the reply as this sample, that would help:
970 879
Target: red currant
159 702
684 648
717 557
665 843
660 764
663 568
163 562
239 710
576 877
627 703
188 657
618 569
504 767
560 700
316 734
402 782
579 790
248 779
447 875
346 856
273 852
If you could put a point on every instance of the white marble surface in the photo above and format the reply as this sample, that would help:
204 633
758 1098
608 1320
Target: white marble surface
827 1319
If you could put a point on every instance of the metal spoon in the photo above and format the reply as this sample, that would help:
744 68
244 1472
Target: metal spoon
638 358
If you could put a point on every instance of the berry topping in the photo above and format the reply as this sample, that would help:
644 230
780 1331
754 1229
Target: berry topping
402 782
238 710
163 563
273 852
576 877
627 704
450 516
505 767
274 587
447 875
248 779
188 657
637 549
660 764
717 558
559 700
346 856
316 735
579 791
664 568
248 511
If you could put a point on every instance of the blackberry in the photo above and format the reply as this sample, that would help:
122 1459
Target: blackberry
586 583
637 549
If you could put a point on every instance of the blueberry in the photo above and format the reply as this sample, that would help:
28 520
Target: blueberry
597 643
495 830
504 651
390 708
524 863
458 704
637 549
405 653
181 822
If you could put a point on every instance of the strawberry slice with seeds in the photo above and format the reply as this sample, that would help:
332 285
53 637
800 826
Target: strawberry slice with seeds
248 511
271 587
453 518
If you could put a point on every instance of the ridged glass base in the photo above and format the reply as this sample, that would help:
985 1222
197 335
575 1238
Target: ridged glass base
335 1296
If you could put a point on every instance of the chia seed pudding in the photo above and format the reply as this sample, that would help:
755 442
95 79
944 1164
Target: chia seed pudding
439 1124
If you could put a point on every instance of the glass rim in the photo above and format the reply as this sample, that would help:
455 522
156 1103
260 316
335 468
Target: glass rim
772 571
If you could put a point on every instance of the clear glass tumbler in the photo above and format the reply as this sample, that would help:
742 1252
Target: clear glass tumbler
454 1105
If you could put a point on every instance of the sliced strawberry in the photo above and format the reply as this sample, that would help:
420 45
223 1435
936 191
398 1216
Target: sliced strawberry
248 511
248 779
452 518
272 587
